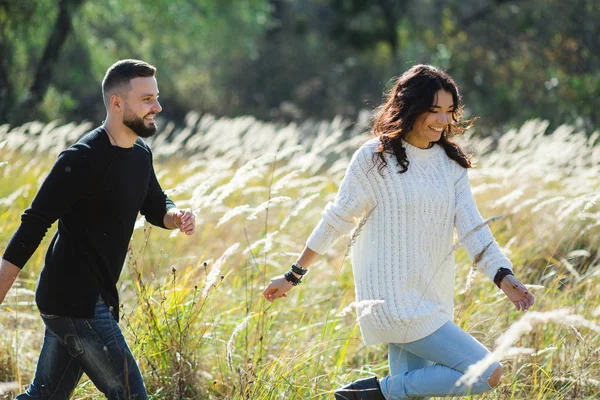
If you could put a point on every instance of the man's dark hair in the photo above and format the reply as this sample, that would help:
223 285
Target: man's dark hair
121 73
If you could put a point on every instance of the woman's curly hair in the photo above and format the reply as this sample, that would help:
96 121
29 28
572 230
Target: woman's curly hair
413 94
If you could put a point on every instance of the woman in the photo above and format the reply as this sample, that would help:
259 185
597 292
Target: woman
411 181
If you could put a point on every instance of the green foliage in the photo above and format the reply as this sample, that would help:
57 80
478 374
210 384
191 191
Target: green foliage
24 27
198 40
297 59
191 43
525 60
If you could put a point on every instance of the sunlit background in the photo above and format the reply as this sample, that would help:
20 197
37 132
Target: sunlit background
264 102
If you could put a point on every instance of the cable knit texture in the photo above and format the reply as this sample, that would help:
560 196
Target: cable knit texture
403 254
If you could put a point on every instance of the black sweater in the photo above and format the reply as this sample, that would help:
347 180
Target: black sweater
95 190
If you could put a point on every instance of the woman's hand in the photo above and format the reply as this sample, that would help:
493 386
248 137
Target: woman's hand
517 293
278 287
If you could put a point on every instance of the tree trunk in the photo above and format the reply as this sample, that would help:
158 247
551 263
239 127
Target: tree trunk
6 87
43 75
6 59
276 19
390 14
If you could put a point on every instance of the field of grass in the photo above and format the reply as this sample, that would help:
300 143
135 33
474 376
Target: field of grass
193 311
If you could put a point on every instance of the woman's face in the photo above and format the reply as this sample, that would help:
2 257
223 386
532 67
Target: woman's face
429 125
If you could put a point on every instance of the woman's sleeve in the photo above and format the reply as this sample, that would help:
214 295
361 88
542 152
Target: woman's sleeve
473 233
339 216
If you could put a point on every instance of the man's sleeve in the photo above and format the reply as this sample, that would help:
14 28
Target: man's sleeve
66 184
156 204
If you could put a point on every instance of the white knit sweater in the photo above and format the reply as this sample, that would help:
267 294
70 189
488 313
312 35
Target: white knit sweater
403 254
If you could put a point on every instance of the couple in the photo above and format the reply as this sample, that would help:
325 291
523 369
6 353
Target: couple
411 178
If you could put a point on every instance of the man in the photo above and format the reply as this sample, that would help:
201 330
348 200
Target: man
95 191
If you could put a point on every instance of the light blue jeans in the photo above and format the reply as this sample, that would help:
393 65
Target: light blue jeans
431 366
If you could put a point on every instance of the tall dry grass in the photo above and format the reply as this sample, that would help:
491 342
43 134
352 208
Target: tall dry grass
193 312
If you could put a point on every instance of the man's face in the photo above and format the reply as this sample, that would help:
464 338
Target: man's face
141 106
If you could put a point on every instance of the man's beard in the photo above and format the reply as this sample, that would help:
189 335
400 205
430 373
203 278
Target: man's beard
137 125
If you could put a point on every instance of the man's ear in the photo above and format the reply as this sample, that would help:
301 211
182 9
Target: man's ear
116 103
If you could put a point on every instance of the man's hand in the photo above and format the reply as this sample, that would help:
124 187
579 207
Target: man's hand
517 293
8 274
185 220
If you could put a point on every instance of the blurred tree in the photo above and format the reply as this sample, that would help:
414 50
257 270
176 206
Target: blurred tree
295 59
25 75
518 60
362 24
321 58
43 75
192 43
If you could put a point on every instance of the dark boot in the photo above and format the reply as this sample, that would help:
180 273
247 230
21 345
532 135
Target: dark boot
363 389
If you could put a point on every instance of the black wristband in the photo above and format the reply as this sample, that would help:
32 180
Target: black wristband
297 269
502 272
291 278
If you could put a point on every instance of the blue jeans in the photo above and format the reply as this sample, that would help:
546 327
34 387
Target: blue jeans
431 366
95 346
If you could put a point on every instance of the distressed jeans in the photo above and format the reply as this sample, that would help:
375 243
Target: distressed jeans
95 346
430 367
